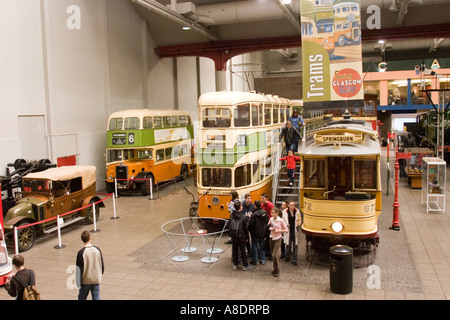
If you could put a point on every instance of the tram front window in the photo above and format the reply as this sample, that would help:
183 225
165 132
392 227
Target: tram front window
215 177
314 173
365 174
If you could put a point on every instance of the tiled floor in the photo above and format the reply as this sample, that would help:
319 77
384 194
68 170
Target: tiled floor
138 261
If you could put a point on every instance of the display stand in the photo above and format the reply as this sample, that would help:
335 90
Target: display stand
434 184
414 167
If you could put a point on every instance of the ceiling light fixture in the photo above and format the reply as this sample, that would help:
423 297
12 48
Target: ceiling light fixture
286 1
186 28
393 6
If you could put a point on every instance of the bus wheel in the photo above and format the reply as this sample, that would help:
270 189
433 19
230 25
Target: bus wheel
145 186
26 237
184 172
341 41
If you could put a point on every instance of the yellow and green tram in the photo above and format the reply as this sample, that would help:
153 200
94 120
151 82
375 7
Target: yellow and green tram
340 189
144 144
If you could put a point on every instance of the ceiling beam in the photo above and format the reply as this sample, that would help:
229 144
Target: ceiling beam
161 9
290 15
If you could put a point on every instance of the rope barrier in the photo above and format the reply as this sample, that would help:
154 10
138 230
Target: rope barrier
58 219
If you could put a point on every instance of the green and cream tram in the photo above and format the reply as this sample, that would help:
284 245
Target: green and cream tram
237 147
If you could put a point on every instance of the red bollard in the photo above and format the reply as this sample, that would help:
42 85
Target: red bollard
396 205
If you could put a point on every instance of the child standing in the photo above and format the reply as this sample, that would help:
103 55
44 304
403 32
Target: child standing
277 227
290 159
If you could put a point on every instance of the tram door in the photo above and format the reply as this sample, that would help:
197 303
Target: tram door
339 176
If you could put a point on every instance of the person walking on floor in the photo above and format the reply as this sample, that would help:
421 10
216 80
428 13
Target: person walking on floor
257 224
277 227
290 165
239 236
16 284
90 268
292 218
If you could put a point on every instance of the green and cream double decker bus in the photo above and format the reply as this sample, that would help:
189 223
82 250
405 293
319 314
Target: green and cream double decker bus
237 147
144 144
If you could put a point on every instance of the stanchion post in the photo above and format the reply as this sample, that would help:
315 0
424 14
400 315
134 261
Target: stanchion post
95 218
16 241
114 207
115 187
59 246
151 188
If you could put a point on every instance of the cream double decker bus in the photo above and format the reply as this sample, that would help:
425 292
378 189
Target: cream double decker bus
237 147
146 145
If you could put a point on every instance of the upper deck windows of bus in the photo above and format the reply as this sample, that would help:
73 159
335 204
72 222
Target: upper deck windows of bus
216 117
307 29
242 115
166 122
115 124
132 123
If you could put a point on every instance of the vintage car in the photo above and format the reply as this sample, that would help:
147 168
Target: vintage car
50 193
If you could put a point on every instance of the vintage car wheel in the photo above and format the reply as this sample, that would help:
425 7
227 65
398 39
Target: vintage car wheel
90 213
26 237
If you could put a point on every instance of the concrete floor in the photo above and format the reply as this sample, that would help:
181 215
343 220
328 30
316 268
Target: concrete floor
413 263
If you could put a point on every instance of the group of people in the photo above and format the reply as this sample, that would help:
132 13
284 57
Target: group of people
90 269
265 231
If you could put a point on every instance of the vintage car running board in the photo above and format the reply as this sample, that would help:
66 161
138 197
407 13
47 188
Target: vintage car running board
66 223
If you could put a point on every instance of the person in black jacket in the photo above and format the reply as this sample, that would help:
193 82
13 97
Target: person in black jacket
16 284
291 136
238 242
257 224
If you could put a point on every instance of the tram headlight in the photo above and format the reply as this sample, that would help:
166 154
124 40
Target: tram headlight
215 200
337 226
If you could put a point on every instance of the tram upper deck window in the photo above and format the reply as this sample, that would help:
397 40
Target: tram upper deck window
365 173
216 117
257 115
166 122
115 124
216 177
267 114
157 122
314 173
242 115
132 123
276 117
282 114
147 123
183 121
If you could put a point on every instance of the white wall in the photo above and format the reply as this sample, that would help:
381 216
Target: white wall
74 79
70 80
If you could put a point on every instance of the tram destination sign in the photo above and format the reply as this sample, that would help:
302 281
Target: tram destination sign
338 138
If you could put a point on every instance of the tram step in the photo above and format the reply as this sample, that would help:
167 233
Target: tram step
287 195
288 187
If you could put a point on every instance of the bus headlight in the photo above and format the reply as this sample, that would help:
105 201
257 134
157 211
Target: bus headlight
337 226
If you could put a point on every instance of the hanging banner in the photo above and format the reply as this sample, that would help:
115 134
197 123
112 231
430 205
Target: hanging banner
331 54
